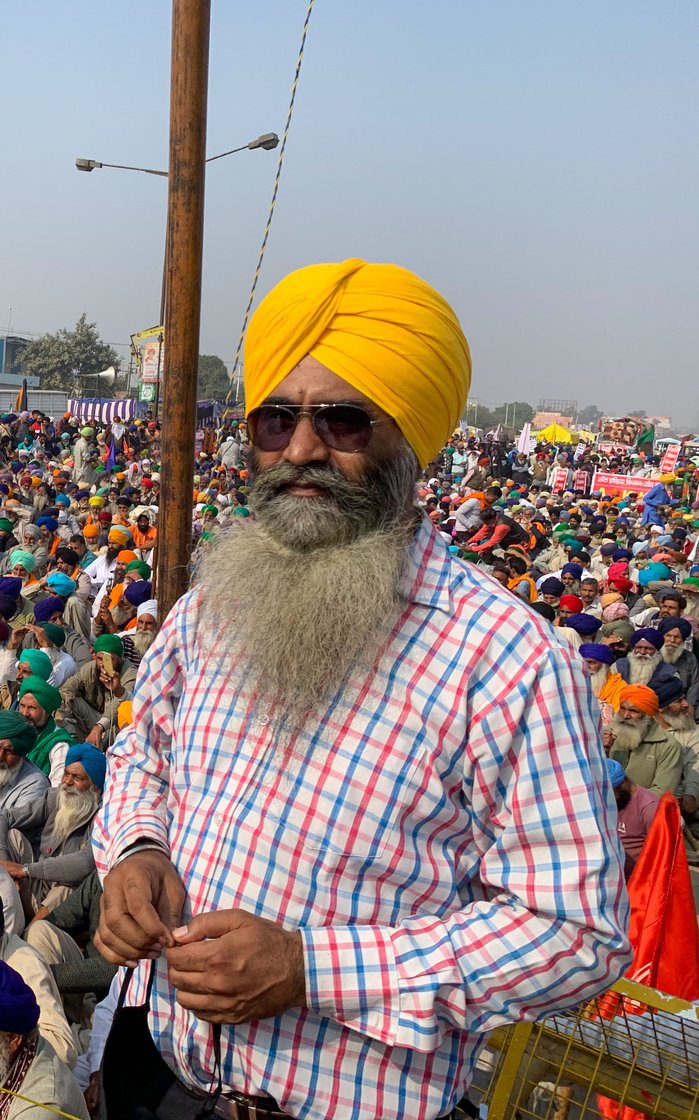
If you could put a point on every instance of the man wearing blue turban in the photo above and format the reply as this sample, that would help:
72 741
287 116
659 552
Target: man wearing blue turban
29 1066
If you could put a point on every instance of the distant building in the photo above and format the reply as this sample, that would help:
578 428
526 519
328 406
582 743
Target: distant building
11 377
661 423
543 419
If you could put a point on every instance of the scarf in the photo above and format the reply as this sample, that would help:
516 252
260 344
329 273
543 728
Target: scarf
17 1074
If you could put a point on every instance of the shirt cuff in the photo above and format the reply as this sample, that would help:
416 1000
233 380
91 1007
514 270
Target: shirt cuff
351 977
130 834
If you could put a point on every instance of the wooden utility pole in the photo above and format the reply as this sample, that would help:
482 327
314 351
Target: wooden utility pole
184 244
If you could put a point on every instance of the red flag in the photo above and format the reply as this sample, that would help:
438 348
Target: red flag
663 929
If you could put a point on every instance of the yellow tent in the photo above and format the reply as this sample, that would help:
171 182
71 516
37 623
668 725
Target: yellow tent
555 434
582 433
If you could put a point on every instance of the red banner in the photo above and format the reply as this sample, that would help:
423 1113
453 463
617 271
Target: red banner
610 483
559 479
580 481
669 459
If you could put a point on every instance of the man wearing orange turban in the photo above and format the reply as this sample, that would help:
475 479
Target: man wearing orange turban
350 750
650 755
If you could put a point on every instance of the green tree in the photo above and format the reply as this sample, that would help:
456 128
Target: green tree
65 359
213 380
514 414
589 416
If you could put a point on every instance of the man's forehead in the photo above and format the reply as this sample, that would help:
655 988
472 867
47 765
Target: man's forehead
311 382
76 770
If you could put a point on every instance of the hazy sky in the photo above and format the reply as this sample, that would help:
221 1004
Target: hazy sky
538 162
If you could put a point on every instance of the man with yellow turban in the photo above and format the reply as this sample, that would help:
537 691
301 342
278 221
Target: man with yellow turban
356 769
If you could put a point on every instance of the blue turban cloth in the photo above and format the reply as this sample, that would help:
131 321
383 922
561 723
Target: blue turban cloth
621 554
654 571
19 1011
551 586
61 584
596 652
616 772
583 624
45 608
574 570
49 522
63 500
93 762
682 624
668 689
574 546
647 634
608 548
137 593
10 585
8 606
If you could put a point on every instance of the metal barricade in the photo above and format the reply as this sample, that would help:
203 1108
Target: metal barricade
633 1046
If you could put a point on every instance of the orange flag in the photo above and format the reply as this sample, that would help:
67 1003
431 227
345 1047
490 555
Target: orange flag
663 929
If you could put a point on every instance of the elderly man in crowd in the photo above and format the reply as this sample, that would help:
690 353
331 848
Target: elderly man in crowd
35 971
651 757
332 646
91 697
29 1066
46 870
676 633
29 662
21 782
606 685
51 610
644 663
38 700
677 717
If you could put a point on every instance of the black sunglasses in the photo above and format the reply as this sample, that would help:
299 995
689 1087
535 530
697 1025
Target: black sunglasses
343 427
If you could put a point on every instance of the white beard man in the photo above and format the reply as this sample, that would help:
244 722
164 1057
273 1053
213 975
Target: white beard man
308 726
649 754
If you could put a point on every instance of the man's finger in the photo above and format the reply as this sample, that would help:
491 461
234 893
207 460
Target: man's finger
214 924
138 903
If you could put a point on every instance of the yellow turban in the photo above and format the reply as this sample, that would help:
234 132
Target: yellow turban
380 328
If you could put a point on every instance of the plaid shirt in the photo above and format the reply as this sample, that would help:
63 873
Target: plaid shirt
447 845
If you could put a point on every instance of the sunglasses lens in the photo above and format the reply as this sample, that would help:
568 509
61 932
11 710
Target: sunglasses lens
344 427
271 427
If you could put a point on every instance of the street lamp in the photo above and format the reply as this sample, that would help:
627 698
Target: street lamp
267 141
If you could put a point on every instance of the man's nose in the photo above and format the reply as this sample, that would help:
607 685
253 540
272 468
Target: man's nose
305 445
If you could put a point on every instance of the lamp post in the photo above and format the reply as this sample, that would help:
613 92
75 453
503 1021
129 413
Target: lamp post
267 141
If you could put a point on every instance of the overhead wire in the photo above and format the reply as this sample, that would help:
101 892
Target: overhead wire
275 191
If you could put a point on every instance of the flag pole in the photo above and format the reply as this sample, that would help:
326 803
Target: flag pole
184 247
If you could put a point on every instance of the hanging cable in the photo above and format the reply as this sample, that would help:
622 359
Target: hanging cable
280 161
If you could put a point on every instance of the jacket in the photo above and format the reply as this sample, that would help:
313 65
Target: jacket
656 763
67 862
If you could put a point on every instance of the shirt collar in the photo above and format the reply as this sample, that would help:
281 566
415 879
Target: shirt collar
428 575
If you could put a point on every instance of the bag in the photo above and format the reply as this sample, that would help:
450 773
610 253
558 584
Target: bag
135 1082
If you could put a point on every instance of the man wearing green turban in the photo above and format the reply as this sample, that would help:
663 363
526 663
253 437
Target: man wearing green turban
21 782
38 701
30 662
91 697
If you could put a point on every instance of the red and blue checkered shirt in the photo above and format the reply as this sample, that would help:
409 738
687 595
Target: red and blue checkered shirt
446 845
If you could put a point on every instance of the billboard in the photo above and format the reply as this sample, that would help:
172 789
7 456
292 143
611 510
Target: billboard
149 351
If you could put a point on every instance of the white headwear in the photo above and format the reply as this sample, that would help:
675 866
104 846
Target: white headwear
149 607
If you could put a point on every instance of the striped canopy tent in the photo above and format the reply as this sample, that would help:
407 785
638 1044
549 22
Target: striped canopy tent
555 434
104 411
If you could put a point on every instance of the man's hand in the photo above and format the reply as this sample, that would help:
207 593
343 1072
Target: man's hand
40 635
112 681
95 736
232 967
608 739
15 870
688 804
92 1096
141 904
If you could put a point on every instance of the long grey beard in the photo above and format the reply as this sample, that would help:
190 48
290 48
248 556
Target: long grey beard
671 654
683 721
641 669
142 641
7 773
629 735
5 1059
302 600
599 679
75 808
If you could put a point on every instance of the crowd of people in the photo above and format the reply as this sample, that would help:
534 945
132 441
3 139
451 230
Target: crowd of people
614 579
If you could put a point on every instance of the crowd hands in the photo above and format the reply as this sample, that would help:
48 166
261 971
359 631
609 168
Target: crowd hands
616 575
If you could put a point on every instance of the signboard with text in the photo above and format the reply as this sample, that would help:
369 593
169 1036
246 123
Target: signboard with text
669 459
149 351
580 481
610 483
559 479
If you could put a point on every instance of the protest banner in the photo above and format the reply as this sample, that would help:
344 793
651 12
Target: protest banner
580 481
609 483
669 459
559 479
